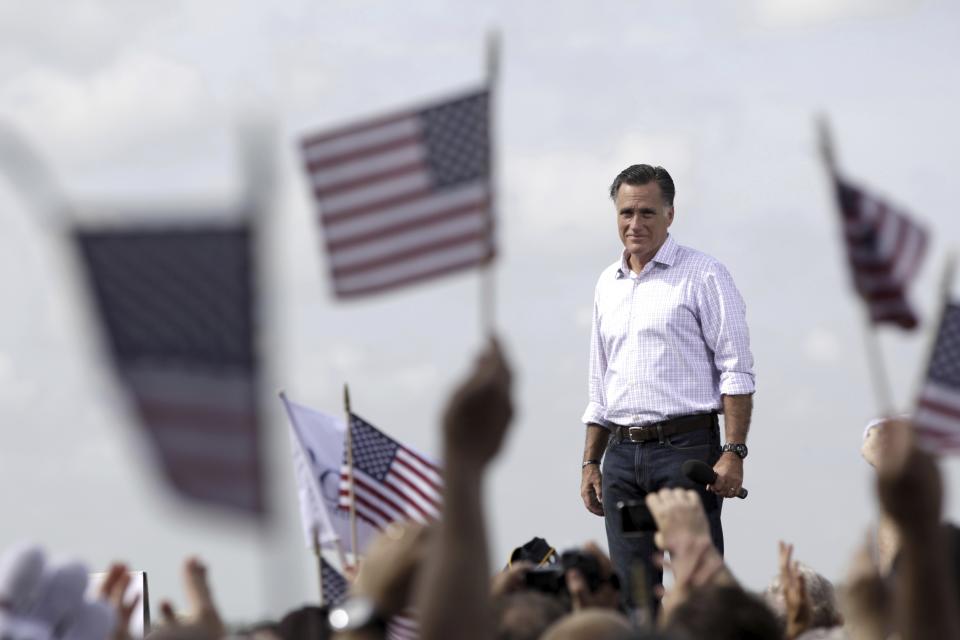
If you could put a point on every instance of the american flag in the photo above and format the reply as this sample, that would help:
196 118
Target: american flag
405 197
937 417
885 248
392 483
177 311
335 586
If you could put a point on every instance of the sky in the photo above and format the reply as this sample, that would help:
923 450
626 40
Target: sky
140 104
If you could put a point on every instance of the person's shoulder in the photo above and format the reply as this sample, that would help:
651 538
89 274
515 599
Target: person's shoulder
698 260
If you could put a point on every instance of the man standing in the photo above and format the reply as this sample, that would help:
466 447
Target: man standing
669 350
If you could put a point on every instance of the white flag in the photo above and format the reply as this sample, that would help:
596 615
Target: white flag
317 441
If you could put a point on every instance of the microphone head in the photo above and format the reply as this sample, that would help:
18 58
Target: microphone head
699 472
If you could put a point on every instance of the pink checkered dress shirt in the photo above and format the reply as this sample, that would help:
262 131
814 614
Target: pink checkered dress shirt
668 341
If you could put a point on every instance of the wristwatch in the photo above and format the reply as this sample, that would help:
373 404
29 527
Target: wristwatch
738 448
356 612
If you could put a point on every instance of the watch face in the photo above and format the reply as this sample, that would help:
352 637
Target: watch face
739 449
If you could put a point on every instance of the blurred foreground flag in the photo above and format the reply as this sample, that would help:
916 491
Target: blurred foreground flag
405 197
392 483
317 445
885 249
937 417
177 311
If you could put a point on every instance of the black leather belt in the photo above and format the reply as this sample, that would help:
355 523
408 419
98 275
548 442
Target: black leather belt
661 430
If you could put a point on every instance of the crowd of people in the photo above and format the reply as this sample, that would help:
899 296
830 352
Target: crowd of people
901 584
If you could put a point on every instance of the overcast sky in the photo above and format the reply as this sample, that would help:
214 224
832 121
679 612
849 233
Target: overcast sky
138 102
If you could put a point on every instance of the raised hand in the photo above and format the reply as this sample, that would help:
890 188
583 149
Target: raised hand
112 591
797 600
480 410
677 512
388 572
203 622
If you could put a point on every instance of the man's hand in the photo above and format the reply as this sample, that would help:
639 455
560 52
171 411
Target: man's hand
908 482
480 410
590 489
388 572
113 591
203 622
511 579
683 530
694 563
797 600
677 512
865 599
729 470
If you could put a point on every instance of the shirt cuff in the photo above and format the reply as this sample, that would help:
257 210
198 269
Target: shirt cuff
594 415
737 384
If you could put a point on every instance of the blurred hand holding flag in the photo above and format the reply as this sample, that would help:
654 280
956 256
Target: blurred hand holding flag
392 482
177 310
405 197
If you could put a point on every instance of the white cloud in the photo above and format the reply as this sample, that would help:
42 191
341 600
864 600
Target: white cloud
802 13
137 98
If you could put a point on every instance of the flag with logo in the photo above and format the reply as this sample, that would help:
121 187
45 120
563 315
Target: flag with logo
316 440
404 197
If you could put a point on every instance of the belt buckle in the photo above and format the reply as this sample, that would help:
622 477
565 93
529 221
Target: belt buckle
640 431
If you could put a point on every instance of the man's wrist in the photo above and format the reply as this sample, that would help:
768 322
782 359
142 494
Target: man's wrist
590 462
738 449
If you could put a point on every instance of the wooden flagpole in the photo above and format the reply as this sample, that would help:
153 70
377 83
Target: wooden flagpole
351 493
878 371
487 282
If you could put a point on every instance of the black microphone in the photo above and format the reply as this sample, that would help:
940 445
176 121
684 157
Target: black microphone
702 473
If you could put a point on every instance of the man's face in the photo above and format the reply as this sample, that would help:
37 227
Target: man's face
643 219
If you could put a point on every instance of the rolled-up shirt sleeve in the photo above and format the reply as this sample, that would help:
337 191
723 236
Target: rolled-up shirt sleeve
597 405
723 317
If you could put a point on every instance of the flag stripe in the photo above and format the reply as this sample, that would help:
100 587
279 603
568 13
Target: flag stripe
394 247
430 470
377 232
388 497
377 193
424 267
424 503
411 168
392 260
350 171
421 472
374 285
404 209
373 136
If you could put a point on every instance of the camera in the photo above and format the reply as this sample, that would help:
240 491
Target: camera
635 518
550 578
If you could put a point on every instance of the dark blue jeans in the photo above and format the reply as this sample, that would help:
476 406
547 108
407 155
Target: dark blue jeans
632 470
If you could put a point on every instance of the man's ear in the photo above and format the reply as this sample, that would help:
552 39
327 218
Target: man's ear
670 216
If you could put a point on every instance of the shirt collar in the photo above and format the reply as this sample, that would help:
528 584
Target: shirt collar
666 255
